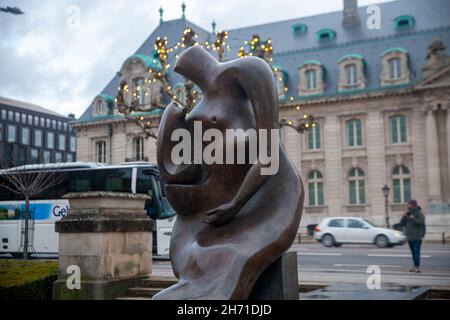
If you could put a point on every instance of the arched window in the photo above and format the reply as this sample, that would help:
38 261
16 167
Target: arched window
315 188
314 137
401 181
354 133
180 93
351 74
139 90
398 129
311 79
356 186
100 151
138 148
395 69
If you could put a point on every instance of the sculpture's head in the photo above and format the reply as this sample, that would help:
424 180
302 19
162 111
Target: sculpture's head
238 94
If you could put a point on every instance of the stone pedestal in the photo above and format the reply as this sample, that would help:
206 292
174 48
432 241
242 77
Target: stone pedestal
107 236
279 281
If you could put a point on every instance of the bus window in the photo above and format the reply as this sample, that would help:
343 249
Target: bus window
147 179
114 180
166 210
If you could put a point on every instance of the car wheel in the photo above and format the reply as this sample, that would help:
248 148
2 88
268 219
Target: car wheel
327 240
337 245
382 241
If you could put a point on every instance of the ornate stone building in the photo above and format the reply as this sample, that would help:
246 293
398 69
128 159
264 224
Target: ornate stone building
381 97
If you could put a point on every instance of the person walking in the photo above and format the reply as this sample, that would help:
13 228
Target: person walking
413 224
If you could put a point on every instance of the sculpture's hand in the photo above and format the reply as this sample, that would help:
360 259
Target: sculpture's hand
221 215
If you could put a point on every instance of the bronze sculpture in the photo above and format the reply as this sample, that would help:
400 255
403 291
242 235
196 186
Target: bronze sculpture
233 222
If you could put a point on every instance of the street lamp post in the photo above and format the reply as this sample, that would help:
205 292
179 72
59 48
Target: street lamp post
386 190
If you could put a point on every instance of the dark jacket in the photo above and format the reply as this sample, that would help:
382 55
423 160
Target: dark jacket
413 225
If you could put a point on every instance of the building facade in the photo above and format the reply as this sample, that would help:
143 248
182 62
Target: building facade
380 96
31 134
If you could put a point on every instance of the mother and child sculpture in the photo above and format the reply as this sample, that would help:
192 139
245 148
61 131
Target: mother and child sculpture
233 221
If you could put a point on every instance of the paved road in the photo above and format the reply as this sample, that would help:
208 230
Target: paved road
348 264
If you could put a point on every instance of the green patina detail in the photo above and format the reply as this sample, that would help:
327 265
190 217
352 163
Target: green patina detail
119 116
316 62
326 35
354 91
150 62
299 28
404 22
109 100
390 50
282 72
351 56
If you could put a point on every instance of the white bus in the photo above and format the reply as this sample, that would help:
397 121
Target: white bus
49 207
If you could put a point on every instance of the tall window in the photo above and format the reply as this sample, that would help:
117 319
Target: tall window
12 134
138 148
351 74
315 188
395 68
100 149
311 79
356 183
37 138
314 137
354 133
50 140
25 136
62 142
73 144
139 89
398 129
401 181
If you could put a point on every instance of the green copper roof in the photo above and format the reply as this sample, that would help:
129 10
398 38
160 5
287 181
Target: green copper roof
390 50
150 62
310 62
351 56
107 98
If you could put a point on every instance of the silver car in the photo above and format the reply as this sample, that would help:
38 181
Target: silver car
343 230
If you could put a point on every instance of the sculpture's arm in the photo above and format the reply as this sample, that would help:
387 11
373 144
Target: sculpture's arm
252 182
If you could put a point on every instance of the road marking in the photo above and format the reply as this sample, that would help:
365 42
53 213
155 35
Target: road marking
390 273
394 255
365 265
319 254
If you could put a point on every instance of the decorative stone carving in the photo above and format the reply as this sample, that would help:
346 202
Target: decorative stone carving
436 59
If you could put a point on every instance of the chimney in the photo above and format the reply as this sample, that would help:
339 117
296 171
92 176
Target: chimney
351 17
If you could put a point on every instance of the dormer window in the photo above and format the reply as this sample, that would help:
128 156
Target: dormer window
311 78
326 35
281 81
351 72
139 90
404 22
395 67
299 29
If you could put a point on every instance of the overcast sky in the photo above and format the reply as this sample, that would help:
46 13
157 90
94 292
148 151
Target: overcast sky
48 58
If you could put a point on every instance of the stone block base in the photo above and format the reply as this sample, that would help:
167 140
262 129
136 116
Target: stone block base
279 281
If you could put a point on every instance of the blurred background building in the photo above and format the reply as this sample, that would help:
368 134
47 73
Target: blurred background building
32 134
